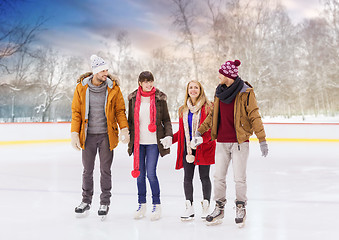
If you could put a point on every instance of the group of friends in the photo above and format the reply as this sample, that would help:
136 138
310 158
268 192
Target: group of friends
209 133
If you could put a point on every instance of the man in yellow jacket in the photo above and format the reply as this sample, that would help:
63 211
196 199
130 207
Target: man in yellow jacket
234 118
98 108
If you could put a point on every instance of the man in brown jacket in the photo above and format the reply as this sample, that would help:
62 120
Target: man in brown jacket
234 117
98 108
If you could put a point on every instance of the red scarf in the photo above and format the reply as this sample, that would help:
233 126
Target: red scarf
151 127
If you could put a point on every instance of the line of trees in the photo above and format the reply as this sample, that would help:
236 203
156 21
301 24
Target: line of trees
293 67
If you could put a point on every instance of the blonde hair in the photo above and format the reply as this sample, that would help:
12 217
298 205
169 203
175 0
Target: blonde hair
202 97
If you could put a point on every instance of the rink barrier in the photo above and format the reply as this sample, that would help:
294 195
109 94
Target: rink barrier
42 141
19 142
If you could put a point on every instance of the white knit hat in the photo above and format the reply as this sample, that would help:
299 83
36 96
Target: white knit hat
98 64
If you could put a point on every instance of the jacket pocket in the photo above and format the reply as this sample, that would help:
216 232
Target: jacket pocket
245 124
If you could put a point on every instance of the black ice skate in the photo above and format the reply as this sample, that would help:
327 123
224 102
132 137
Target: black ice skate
240 213
83 209
103 211
217 215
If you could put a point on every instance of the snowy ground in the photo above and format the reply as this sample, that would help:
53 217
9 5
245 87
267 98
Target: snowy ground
293 194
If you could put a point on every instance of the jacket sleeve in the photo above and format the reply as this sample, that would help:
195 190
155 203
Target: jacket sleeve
166 119
254 117
76 112
120 111
207 124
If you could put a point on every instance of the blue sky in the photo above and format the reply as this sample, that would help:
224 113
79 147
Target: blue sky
79 26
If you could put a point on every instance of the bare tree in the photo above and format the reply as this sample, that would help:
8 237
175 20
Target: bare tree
51 73
14 36
183 19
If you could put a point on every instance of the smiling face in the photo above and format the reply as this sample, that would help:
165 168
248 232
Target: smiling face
100 77
193 91
146 85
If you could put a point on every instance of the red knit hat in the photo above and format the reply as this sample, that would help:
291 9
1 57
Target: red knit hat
230 69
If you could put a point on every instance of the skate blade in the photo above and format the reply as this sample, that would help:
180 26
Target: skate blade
241 225
82 215
155 218
139 217
187 219
213 223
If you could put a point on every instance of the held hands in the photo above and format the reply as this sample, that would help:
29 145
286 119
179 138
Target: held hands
264 148
75 141
166 142
124 136
196 140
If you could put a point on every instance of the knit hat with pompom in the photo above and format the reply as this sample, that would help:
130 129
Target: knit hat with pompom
98 64
230 69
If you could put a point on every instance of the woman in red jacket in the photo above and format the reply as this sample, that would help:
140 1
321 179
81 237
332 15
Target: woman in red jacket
191 115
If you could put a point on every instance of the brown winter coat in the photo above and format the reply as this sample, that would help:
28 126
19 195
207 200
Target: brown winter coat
163 120
246 117
115 110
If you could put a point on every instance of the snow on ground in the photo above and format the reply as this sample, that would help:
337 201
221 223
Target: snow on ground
293 193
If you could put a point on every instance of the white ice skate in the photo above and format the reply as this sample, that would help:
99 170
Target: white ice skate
240 214
156 212
103 211
141 211
189 212
205 207
217 215
82 210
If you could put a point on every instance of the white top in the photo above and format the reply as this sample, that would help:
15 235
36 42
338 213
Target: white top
146 137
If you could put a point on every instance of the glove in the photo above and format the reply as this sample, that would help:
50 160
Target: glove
166 142
124 136
75 141
264 148
196 140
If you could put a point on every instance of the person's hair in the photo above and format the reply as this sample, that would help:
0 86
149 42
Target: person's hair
202 97
146 76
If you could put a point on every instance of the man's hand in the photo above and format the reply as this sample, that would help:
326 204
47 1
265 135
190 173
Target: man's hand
264 148
75 141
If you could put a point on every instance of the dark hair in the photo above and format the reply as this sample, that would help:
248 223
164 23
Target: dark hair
146 76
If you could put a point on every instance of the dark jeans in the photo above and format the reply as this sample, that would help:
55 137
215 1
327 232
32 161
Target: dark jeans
95 142
204 172
149 155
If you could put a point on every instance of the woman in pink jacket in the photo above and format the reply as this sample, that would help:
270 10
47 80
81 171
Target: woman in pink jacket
191 115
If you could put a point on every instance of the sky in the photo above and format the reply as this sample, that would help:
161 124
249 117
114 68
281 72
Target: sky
81 27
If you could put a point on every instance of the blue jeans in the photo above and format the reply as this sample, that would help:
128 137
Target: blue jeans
149 155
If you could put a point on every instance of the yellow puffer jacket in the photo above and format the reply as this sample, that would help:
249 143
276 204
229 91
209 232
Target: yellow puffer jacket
246 117
114 109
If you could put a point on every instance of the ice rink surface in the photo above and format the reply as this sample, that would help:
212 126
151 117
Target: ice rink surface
293 194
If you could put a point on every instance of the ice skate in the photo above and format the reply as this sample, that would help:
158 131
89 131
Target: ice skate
156 212
205 207
82 210
103 211
217 215
189 212
141 211
240 214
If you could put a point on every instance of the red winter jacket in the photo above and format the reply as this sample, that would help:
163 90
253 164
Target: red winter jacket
205 153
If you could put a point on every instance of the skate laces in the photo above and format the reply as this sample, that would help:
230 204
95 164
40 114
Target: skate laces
82 205
240 211
140 206
216 211
103 208
154 208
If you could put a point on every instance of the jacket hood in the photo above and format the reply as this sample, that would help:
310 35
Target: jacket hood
111 79
158 95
